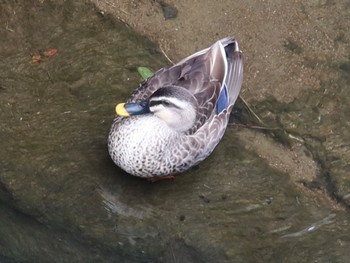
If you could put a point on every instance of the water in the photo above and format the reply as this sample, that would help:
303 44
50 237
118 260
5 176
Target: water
63 200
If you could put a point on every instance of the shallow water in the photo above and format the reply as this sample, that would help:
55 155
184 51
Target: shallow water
63 200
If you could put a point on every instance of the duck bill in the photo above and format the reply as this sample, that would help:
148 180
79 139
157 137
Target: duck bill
129 109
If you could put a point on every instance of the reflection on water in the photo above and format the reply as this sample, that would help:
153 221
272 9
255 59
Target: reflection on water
63 200
313 227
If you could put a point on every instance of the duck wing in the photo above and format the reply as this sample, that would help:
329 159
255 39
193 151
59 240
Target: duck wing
214 76
199 145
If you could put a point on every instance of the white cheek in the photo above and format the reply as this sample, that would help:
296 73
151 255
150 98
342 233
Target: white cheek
170 117
176 119
190 116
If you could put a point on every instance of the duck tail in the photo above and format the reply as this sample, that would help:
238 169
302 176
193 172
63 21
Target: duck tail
234 75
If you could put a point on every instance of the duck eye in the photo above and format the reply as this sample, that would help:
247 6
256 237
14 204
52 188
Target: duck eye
166 103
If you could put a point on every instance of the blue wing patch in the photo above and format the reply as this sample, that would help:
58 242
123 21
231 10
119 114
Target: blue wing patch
222 100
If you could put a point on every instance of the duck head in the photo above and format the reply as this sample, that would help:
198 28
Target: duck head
174 105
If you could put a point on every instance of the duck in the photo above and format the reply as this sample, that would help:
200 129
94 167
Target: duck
176 117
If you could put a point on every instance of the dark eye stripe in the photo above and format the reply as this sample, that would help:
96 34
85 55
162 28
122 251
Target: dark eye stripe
165 103
154 103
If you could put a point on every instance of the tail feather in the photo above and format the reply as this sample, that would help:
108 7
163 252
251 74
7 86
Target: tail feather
232 83
234 77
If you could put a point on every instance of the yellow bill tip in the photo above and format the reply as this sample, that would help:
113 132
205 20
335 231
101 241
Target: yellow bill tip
121 111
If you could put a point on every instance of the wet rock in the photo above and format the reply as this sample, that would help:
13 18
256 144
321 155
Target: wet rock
169 11
63 200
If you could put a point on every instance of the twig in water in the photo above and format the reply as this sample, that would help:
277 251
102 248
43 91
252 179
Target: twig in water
166 56
8 28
